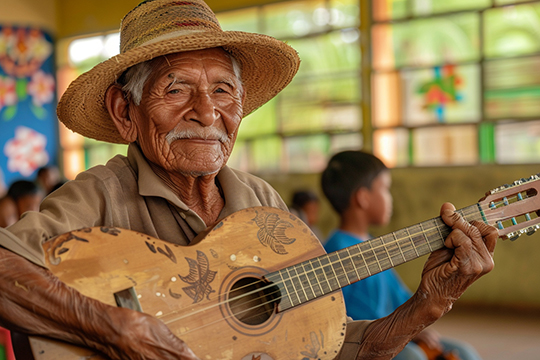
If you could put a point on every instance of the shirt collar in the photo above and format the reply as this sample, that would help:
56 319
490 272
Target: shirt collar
149 183
237 194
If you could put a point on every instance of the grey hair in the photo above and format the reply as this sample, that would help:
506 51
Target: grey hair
135 77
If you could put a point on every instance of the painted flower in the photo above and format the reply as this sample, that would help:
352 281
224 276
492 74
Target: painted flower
41 88
23 51
26 151
8 96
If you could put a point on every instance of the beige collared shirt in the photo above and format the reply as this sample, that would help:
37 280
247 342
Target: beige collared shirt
126 193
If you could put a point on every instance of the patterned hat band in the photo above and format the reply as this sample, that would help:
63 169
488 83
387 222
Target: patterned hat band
160 27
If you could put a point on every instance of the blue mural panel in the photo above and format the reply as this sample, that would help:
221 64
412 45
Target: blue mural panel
28 123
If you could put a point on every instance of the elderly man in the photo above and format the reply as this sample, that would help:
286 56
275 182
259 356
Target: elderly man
176 94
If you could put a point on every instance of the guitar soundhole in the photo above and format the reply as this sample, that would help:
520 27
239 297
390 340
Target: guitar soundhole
253 301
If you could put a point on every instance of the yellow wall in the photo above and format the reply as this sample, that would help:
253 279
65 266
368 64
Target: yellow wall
38 13
86 17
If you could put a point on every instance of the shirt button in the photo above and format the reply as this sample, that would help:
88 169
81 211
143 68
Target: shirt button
183 216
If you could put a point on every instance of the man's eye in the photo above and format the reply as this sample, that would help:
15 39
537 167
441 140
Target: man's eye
174 91
220 90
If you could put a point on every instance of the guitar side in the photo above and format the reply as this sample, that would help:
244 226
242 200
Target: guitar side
195 290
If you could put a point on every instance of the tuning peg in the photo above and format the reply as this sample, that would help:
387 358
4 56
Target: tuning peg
531 230
513 236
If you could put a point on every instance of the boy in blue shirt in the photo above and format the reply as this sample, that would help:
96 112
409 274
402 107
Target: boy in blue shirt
357 184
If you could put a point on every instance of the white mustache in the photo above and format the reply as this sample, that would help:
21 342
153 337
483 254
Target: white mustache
206 134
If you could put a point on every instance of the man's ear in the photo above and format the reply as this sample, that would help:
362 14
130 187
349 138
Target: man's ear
118 106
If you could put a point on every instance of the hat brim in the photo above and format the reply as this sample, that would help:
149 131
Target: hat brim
268 65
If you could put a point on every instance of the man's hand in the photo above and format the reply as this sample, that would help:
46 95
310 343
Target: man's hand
141 336
447 273
468 256
36 302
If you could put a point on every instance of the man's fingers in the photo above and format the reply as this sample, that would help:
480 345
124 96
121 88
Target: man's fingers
476 230
489 233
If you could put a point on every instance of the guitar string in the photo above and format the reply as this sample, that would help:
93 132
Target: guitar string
340 260
472 211
295 291
483 217
463 213
251 308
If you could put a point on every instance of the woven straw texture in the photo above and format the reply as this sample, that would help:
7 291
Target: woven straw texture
160 27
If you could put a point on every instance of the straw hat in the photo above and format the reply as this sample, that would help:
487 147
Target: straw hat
160 27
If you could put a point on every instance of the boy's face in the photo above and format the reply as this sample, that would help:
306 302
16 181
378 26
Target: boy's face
380 204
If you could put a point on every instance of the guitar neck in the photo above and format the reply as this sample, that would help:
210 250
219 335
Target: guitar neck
324 274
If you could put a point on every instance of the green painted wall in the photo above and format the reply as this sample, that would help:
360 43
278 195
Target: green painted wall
418 194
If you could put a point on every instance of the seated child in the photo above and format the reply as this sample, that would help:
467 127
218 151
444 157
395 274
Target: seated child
357 184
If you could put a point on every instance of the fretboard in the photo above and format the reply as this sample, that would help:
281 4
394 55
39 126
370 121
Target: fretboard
324 274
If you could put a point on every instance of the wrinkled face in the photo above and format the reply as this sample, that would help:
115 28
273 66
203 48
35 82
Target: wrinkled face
190 111
380 205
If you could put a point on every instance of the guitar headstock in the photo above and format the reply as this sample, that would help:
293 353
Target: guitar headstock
514 209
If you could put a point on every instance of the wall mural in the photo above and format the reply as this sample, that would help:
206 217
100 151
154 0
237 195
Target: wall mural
28 123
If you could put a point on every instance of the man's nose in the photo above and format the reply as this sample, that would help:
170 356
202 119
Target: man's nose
203 110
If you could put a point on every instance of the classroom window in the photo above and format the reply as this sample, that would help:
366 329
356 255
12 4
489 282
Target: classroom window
454 82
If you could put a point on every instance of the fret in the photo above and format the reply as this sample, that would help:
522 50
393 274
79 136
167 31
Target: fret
405 242
392 246
304 282
427 239
419 240
277 279
329 272
366 265
289 288
435 237
388 253
412 242
339 270
399 247
353 265
312 293
370 258
298 289
383 258
312 277
348 266
321 277
460 212
358 261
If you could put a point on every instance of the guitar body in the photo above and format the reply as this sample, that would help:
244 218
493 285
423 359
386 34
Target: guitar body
195 289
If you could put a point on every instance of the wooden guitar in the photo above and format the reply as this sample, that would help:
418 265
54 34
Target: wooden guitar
258 285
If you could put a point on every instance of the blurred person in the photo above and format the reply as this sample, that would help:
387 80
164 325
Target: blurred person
48 177
357 184
3 187
177 93
8 211
305 204
27 196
